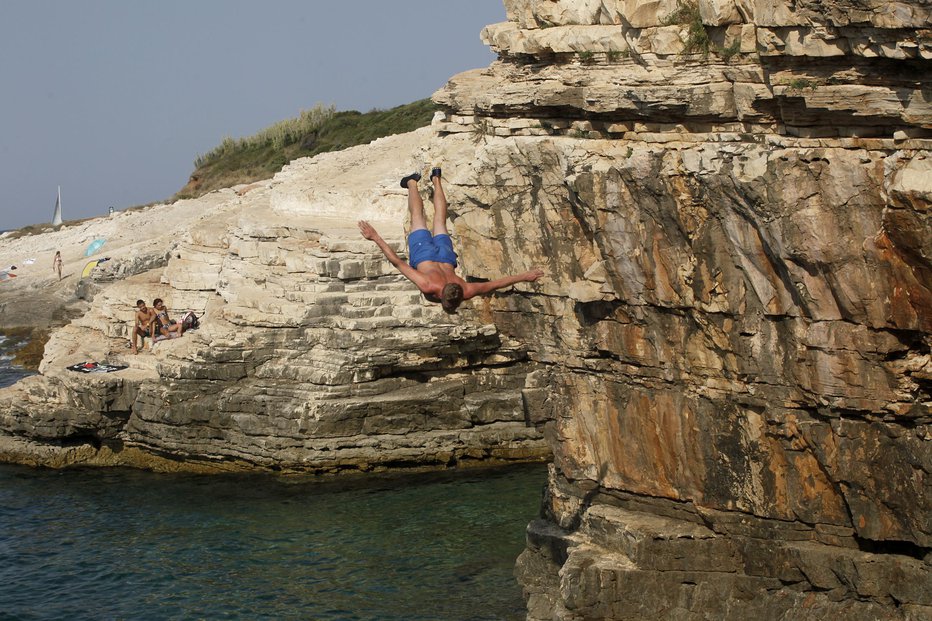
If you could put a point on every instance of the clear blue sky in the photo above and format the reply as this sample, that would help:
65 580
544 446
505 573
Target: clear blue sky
113 99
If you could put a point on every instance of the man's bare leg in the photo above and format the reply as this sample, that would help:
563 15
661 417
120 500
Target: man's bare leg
416 206
440 204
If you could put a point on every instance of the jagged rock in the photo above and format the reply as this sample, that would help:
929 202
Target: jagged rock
719 12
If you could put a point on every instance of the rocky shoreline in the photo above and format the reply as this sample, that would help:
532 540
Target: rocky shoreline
312 355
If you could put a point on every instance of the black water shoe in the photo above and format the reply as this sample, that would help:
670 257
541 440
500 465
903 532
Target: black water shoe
434 172
415 176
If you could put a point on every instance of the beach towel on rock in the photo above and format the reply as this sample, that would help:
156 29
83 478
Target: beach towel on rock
95 367
158 338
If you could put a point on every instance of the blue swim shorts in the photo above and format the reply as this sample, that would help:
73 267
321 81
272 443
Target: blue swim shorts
422 246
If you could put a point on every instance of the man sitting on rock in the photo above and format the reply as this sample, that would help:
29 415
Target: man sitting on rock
431 256
143 327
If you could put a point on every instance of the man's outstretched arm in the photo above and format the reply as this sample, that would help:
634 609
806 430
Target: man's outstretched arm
409 272
478 288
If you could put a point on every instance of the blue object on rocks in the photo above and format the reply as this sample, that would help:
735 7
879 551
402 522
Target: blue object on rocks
94 247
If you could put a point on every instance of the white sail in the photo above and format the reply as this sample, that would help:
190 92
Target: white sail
56 218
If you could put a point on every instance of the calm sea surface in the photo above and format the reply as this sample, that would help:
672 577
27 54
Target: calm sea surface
118 544
123 544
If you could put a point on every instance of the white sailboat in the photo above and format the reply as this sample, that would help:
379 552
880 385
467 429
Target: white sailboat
56 218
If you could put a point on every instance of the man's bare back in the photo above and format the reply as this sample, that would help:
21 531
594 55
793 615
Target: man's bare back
433 261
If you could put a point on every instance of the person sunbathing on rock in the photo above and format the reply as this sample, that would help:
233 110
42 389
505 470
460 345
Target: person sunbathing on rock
431 255
165 326
143 327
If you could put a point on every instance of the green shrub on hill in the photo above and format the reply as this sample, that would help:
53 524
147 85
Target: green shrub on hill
314 131
277 136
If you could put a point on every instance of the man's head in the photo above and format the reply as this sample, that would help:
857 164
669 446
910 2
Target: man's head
141 305
451 297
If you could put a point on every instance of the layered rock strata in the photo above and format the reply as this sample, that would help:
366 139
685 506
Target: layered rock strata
731 201
313 354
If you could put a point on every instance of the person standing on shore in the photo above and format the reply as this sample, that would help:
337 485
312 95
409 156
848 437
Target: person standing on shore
431 255
57 263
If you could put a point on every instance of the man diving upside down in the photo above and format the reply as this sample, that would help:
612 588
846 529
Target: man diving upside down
431 254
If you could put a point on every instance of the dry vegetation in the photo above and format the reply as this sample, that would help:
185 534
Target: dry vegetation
318 130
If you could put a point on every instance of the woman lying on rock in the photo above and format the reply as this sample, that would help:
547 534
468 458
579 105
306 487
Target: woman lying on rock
431 255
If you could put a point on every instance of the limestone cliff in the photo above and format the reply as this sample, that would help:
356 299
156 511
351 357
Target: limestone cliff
313 355
731 200
729 354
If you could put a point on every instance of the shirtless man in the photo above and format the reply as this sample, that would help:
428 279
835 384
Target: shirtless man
143 327
431 255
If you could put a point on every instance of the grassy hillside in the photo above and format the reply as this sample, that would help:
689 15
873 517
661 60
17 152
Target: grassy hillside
318 130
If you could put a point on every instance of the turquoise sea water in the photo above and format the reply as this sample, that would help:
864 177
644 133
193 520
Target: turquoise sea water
121 544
